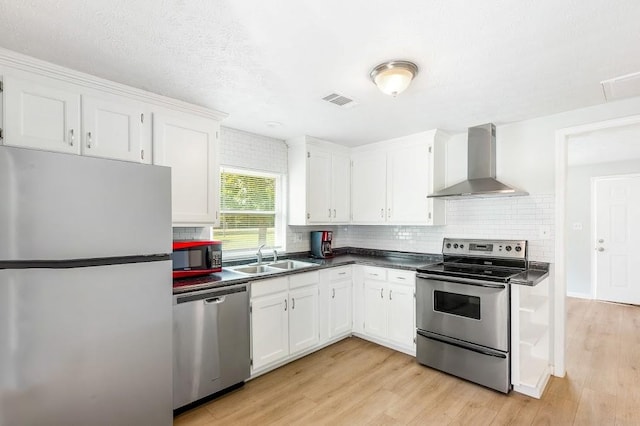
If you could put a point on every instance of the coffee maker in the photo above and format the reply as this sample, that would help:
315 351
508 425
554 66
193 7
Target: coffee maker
321 244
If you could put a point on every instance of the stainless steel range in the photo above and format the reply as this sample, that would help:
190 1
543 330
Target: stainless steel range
463 310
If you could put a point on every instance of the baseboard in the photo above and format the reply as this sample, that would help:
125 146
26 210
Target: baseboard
579 295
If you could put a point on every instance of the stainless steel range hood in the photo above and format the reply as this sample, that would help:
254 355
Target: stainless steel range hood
481 170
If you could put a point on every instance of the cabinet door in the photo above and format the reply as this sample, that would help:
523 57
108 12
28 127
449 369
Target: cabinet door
375 309
340 316
41 116
113 130
189 145
318 188
401 318
408 185
341 188
303 319
368 187
269 329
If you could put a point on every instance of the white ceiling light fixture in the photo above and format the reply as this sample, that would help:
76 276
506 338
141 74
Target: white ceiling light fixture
393 77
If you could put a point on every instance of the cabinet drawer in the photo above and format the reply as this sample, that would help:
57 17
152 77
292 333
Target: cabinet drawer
304 279
264 287
401 277
340 273
374 273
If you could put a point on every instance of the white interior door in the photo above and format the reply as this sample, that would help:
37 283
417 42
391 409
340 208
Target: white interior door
617 238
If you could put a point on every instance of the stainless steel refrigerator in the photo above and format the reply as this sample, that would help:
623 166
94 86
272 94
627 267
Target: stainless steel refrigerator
85 291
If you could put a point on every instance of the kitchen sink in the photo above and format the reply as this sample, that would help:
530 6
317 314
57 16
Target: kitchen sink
290 264
253 269
270 268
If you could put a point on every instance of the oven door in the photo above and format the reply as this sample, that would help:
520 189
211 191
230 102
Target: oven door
470 310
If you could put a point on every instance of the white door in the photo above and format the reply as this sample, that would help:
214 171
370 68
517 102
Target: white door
318 190
340 308
368 187
269 329
113 130
341 188
41 116
617 238
407 185
188 145
303 319
375 309
401 327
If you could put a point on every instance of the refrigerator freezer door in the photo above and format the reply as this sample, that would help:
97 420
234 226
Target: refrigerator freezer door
60 206
86 345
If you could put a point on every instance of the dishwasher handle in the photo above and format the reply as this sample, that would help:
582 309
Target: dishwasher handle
214 300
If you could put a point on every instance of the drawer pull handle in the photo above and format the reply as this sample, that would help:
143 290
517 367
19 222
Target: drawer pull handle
285 304
293 303
342 273
333 295
390 291
381 295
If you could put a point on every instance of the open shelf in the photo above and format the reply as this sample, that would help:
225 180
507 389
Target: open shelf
532 303
531 334
532 370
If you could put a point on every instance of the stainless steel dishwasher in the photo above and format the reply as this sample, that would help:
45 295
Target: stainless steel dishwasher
210 342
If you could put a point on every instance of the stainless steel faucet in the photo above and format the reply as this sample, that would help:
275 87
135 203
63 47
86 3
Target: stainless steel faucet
259 254
275 255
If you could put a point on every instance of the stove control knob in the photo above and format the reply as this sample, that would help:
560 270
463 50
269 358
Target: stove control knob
461 246
518 249
455 246
448 245
508 248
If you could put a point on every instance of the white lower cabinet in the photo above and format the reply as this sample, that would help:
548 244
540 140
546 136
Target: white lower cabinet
284 318
530 338
388 307
336 300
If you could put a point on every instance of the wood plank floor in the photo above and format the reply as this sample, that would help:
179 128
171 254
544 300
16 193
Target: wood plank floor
355 382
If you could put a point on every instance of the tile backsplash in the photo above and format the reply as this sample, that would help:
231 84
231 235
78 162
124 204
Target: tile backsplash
530 218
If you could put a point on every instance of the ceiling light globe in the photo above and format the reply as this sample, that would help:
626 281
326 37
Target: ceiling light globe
394 77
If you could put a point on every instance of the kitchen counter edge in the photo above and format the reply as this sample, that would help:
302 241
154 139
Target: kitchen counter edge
229 278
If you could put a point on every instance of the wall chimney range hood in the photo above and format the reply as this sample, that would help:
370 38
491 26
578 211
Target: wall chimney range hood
481 169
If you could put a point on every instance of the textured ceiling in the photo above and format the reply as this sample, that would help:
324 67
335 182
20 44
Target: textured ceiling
261 61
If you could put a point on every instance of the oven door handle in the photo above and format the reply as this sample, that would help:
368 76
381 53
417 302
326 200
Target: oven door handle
456 280
474 348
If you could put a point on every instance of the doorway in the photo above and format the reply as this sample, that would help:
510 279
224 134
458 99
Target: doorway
616 238
568 226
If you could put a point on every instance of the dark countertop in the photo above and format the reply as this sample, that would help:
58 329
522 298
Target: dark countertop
530 277
537 271
395 260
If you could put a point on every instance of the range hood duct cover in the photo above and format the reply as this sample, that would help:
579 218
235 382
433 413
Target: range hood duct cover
481 169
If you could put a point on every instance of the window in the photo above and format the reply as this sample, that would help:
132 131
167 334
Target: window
250 212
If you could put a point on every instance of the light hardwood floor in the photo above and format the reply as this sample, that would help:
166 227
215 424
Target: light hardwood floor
355 382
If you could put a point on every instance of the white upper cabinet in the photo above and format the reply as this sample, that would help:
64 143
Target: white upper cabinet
51 115
392 179
189 145
51 108
41 115
319 182
368 184
116 129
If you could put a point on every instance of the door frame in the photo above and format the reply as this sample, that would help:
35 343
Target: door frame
560 284
593 284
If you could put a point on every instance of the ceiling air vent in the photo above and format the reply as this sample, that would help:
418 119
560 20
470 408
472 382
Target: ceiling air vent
340 100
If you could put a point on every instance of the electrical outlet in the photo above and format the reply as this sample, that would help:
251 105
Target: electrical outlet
577 226
544 232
